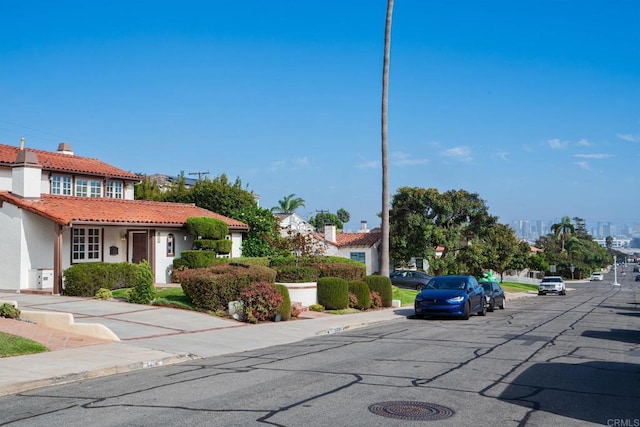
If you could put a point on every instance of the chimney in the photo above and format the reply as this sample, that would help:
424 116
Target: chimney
330 233
363 227
26 174
65 148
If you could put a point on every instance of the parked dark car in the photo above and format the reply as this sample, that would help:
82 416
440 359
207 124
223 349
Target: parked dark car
636 269
410 279
637 277
494 295
458 296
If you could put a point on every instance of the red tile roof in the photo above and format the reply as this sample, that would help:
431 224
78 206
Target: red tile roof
59 162
66 210
357 239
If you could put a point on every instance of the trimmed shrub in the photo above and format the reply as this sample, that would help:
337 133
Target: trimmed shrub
261 301
344 271
285 308
207 228
222 246
316 307
9 311
353 300
296 274
104 293
143 291
281 260
84 280
382 285
362 293
214 287
197 259
333 293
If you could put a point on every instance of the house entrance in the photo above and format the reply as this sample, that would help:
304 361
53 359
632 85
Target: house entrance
139 246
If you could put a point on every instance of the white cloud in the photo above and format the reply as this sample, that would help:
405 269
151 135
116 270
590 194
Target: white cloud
557 144
462 154
627 137
502 155
404 159
301 162
593 156
582 165
370 164
583 142
277 165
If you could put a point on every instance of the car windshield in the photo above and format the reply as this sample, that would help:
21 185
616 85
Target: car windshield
447 283
486 286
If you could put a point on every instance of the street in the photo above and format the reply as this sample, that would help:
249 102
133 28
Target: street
569 360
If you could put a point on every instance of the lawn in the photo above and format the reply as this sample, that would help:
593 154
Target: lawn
166 297
518 287
406 296
11 345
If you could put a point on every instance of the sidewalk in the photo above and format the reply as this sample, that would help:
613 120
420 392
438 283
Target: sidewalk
149 336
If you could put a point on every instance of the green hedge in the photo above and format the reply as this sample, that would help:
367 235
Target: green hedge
285 308
214 287
296 274
333 293
84 280
327 266
381 285
222 246
207 228
361 290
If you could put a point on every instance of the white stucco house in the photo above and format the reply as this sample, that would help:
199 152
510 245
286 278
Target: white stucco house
363 246
58 209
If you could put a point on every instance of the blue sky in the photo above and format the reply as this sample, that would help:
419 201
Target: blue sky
534 105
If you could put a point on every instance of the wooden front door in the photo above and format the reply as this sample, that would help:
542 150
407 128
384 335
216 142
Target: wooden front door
140 247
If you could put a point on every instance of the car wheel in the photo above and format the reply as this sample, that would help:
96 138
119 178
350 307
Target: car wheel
483 312
419 287
467 311
540 293
563 293
504 304
492 305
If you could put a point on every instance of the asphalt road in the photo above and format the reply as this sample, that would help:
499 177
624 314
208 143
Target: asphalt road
544 361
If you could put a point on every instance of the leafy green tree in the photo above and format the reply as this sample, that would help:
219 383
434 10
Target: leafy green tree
147 189
264 237
500 246
343 215
324 218
178 191
609 242
288 204
221 196
421 219
563 229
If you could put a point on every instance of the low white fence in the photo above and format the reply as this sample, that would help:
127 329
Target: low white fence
304 293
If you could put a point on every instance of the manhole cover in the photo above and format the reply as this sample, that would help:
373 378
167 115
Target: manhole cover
417 411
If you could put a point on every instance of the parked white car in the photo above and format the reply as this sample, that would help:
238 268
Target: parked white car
552 284
597 275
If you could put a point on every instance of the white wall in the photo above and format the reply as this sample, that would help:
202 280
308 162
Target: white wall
11 226
5 179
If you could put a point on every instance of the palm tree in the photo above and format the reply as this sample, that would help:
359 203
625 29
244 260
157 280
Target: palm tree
563 228
288 204
384 255
609 242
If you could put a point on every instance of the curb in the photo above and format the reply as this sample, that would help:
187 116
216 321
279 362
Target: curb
97 373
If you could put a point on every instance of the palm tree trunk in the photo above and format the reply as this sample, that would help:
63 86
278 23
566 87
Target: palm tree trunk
384 255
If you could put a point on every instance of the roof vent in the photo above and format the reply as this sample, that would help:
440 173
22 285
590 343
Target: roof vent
65 148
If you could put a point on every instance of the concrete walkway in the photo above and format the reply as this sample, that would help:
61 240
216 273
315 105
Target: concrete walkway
148 336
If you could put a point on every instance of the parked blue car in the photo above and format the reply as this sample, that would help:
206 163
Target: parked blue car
457 296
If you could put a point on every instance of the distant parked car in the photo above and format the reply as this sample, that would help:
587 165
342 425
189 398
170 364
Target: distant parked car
637 277
494 295
636 269
410 279
552 284
597 275
458 296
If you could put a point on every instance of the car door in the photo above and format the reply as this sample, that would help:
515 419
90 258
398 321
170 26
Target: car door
476 296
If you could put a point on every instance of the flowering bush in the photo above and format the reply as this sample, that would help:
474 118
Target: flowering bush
261 301
376 300
353 300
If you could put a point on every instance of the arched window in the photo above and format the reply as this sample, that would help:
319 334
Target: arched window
171 245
